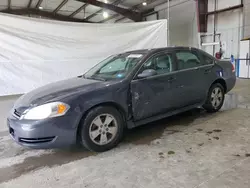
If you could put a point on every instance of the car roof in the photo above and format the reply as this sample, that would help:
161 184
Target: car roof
155 50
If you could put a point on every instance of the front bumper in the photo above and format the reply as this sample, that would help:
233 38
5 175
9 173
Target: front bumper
44 134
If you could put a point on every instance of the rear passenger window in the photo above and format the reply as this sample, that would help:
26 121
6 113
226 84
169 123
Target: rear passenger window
207 60
187 60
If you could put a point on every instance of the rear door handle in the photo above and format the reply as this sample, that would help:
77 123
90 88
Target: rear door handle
171 79
207 71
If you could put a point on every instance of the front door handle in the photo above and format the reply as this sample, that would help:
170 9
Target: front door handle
197 68
136 96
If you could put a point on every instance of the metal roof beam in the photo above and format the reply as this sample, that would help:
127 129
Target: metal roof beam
9 4
135 7
78 10
226 9
60 6
202 9
29 5
94 14
39 3
120 19
99 11
135 16
109 18
116 15
42 13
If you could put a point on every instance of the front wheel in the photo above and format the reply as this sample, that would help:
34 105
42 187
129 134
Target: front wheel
102 129
215 98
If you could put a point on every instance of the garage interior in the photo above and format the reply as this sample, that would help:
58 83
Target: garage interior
194 149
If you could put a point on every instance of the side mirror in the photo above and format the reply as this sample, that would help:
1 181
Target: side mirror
147 73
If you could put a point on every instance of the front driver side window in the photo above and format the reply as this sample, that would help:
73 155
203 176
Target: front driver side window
162 64
187 60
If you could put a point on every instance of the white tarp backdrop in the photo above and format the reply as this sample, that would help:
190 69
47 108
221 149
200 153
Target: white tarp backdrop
35 52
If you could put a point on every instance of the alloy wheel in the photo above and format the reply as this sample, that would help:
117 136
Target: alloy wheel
103 129
216 97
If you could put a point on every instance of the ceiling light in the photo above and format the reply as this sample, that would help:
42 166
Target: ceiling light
105 15
41 8
144 3
105 1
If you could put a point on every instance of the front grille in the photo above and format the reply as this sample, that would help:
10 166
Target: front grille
18 114
36 140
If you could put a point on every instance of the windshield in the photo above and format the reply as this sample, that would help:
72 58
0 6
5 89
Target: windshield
114 67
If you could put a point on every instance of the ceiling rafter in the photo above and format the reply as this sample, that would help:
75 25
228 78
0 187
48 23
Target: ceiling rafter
39 3
29 5
120 19
9 4
135 16
202 9
78 10
47 14
109 18
135 7
94 14
60 6
101 10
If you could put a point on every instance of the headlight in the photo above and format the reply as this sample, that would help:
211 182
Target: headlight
44 111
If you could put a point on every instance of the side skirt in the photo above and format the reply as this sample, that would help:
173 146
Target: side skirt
132 124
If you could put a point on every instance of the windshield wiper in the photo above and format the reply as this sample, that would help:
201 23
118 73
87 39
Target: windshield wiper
95 78
81 76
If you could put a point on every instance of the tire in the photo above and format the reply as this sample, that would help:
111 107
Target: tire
102 129
215 93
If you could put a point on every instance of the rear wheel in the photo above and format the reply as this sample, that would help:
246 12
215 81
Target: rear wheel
215 98
102 129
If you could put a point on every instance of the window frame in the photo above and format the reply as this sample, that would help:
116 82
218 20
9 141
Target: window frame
204 54
172 53
195 52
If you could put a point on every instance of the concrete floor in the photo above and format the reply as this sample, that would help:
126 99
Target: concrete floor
190 150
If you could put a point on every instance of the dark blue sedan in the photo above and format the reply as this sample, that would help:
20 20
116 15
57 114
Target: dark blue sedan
123 91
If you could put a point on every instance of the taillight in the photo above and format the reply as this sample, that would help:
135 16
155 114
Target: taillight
233 68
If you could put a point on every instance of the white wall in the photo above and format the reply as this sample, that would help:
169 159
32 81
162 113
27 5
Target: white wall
183 22
221 4
180 35
229 24
151 17
183 35
246 19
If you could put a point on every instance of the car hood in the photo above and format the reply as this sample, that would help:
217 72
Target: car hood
56 91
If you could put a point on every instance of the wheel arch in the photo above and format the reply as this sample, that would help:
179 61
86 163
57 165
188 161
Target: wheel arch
222 82
115 105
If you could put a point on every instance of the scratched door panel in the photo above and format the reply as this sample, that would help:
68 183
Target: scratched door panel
153 96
